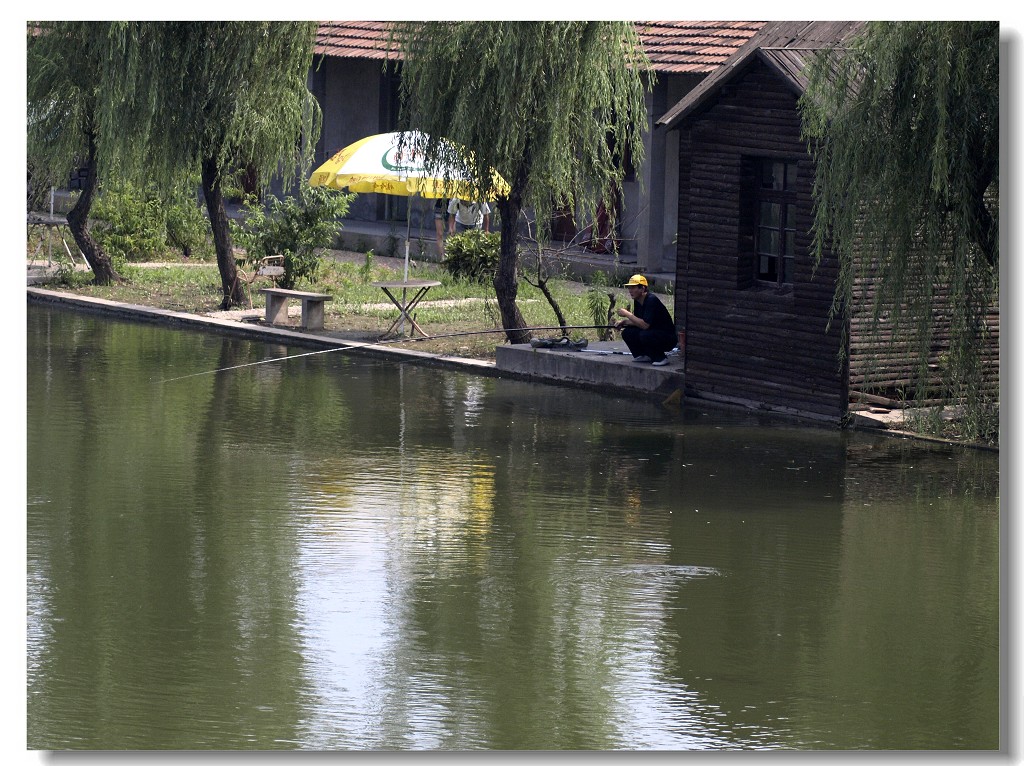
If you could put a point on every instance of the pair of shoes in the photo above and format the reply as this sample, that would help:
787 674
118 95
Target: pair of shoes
641 358
660 363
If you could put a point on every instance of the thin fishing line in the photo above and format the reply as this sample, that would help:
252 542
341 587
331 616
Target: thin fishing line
381 343
253 364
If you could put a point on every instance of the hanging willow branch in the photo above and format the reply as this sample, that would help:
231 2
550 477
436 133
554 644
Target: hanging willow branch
556 107
903 125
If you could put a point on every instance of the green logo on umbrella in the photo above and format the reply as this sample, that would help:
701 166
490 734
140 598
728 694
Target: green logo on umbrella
397 165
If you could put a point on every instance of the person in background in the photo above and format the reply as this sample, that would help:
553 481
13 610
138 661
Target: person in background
648 330
440 225
463 215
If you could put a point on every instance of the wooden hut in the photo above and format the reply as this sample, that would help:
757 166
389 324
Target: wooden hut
752 305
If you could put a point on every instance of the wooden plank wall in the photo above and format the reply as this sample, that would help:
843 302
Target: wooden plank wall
747 342
885 364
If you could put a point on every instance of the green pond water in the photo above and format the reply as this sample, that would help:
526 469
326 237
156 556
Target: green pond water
344 553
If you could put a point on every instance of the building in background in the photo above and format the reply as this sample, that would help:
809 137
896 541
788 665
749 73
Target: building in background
356 83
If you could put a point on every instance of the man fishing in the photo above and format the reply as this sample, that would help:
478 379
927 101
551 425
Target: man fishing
648 330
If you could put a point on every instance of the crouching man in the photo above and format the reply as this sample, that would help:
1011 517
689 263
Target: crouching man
648 330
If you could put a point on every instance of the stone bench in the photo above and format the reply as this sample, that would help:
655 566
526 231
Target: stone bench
312 306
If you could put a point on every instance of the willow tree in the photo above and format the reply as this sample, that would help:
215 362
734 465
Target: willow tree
216 97
69 67
554 106
904 126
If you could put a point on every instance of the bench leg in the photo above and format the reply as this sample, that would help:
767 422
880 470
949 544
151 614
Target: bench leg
277 309
313 314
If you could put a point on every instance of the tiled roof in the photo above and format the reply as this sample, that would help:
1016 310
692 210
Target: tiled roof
672 46
693 46
352 39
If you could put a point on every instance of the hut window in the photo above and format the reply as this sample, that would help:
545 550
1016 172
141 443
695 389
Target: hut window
775 223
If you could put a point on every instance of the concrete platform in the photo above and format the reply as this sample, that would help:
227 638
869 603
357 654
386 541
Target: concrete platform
604 365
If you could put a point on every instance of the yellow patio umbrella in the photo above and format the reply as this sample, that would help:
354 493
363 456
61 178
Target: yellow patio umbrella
389 163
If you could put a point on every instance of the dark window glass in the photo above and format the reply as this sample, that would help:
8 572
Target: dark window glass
790 175
776 221
773 175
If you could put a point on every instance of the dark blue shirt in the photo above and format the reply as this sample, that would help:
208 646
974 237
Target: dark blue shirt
653 312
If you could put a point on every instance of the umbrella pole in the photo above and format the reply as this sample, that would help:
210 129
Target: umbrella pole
408 234
405 275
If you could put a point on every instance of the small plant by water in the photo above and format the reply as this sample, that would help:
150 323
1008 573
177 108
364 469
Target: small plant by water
601 303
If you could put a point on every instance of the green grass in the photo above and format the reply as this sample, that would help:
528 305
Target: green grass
190 288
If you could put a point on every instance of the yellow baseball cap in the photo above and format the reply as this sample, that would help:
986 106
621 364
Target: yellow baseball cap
636 279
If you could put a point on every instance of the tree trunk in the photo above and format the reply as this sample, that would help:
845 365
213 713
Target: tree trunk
542 285
78 221
230 284
506 279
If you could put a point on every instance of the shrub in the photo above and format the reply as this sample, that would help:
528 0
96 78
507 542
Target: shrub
140 225
299 228
188 229
473 255
132 223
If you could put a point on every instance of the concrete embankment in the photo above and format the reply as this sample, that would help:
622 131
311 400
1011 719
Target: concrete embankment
604 367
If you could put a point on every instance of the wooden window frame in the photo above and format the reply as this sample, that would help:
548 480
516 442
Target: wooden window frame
775 209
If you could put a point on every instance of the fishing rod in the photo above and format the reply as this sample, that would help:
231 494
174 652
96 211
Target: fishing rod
388 342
